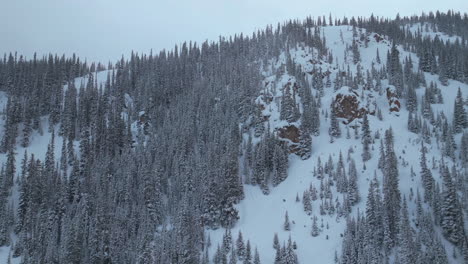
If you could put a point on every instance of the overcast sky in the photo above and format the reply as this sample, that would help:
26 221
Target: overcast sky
105 29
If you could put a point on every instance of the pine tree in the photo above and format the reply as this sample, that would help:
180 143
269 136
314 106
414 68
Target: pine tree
334 130
10 169
315 230
307 203
70 152
426 133
278 257
437 251
366 139
391 191
407 249
280 163
374 228
248 254
63 157
256 257
426 176
460 120
317 81
464 148
27 130
413 123
382 158
451 215
259 126
276 244
25 197
289 256
305 144
353 192
377 57
449 144
394 69
240 246
289 110
443 71
227 241
315 118
411 99
286 225
4 234
50 157
233 257
356 53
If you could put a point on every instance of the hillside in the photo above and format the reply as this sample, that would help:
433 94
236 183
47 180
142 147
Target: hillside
262 216
346 141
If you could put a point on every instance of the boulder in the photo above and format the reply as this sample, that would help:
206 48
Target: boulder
393 100
378 38
347 104
291 134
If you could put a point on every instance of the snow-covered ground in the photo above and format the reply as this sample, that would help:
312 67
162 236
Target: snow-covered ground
261 216
99 77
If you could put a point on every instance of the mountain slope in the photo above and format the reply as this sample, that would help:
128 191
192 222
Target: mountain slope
261 216
313 132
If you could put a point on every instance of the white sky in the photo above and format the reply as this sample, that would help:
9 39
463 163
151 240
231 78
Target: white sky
105 29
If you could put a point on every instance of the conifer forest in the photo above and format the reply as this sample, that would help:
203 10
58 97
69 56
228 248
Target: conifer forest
328 139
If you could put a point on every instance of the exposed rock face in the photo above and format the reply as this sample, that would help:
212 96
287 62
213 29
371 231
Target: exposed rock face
378 38
347 104
393 101
292 134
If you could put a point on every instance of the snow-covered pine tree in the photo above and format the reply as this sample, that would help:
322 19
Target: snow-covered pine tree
391 191
248 254
334 130
240 247
460 120
287 224
366 139
289 256
451 215
353 191
256 257
426 176
307 204
305 144
276 244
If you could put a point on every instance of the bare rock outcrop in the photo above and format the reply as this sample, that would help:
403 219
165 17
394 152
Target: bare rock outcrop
393 100
347 104
290 133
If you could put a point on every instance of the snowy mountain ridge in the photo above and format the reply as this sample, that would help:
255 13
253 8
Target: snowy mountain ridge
346 146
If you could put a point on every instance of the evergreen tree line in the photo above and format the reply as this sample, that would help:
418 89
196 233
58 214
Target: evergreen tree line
152 156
